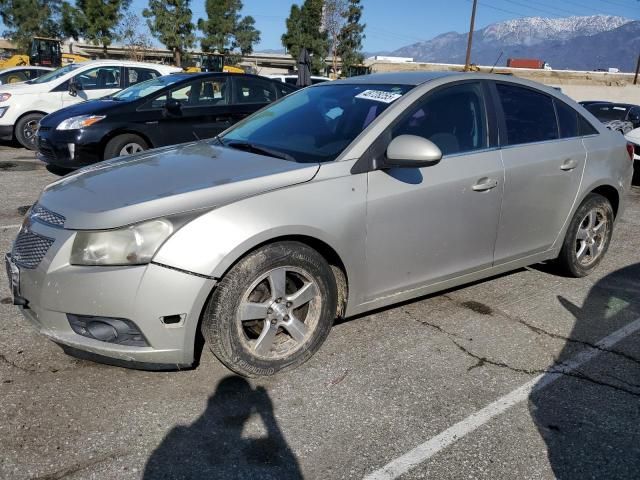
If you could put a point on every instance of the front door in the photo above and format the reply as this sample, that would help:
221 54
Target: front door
428 224
543 170
95 83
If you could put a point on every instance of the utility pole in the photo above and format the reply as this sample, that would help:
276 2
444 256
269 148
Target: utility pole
635 79
467 62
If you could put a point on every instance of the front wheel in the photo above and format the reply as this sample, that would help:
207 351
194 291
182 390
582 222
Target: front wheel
127 144
272 310
26 129
588 237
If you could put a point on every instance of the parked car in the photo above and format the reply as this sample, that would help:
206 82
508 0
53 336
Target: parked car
292 79
21 74
172 109
634 138
620 117
22 105
584 103
340 198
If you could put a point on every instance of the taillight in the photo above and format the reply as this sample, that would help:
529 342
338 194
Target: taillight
630 150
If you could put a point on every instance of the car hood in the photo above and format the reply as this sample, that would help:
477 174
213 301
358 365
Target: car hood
166 181
90 107
20 88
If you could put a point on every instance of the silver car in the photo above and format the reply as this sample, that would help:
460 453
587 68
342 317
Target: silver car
338 199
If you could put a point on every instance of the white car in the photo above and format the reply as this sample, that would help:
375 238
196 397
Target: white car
292 79
21 74
22 105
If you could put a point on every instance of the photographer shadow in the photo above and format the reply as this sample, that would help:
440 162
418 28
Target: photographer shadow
589 417
213 446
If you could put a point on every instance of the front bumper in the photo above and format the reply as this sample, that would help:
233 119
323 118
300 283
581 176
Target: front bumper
68 148
143 294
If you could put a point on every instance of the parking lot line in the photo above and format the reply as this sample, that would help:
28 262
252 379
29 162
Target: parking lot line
423 452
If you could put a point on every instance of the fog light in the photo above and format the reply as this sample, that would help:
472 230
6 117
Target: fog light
72 150
110 330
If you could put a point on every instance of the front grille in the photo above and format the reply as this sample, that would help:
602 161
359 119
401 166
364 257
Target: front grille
29 248
41 214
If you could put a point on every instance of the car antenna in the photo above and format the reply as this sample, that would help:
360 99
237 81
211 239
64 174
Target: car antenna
494 65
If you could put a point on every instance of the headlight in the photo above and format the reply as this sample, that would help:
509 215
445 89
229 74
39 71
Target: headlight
4 97
81 121
134 245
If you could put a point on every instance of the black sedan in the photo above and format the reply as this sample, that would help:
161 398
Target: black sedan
623 117
163 111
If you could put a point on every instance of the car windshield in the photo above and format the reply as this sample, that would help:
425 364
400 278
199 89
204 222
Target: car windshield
143 89
606 112
47 77
315 124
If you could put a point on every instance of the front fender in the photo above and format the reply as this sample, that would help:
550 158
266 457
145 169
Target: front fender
330 209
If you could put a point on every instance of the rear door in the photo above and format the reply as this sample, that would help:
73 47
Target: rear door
96 82
544 159
250 94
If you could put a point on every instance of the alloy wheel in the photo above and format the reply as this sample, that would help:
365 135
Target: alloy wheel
130 149
592 236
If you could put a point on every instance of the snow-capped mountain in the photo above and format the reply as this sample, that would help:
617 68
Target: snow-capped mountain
555 38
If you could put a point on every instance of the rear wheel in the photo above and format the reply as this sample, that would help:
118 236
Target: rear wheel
126 144
272 310
588 237
26 128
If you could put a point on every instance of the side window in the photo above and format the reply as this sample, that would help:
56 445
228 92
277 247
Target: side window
14 77
254 90
585 127
285 89
209 92
453 118
567 120
99 78
137 75
529 115
181 93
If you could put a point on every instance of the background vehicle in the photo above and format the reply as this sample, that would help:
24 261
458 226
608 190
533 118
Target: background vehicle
167 110
621 117
584 103
211 62
528 63
21 74
339 199
356 70
45 52
292 79
24 104
634 137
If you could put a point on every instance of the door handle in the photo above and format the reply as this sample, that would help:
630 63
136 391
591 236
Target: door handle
485 184
569 164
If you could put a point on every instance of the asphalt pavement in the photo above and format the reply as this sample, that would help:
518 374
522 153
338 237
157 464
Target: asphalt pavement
527 375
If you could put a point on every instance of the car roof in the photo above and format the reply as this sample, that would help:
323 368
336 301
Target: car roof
25 67
612 105
398 78
124 63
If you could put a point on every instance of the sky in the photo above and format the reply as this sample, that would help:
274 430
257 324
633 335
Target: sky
396 23
392 24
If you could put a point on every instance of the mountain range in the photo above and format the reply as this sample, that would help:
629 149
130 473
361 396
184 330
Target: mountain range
576 43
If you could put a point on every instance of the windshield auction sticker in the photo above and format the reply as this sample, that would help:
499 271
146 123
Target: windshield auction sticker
379 96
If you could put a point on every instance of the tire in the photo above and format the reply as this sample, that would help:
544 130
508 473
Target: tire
25 130
126 144
245 302
588 237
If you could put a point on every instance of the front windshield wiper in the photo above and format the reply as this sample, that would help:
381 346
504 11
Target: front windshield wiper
251 147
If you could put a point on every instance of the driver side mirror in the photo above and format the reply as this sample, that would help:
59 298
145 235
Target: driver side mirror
74 87
173 107
411 151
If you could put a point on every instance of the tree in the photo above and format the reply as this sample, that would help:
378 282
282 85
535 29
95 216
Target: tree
351 36
94 20
305 30
170 22
135 40
225 30
333 21
26 19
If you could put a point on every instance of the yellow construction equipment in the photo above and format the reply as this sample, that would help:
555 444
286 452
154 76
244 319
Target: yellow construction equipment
211 62
45 52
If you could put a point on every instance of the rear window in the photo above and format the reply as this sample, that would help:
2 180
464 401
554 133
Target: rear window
567 120
606 112
529 115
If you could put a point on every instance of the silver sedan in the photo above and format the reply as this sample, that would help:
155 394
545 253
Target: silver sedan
341 198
